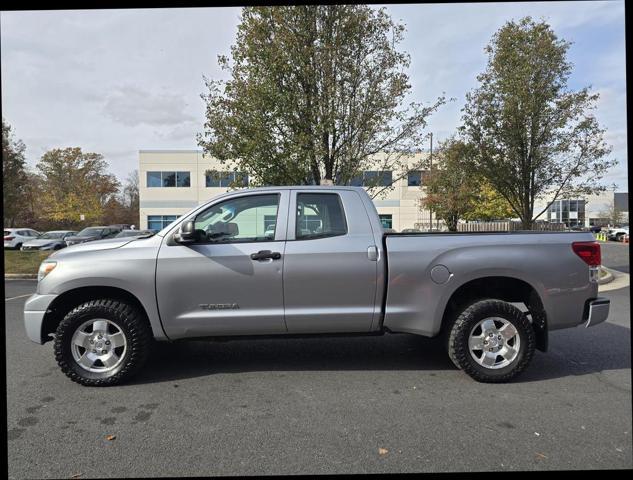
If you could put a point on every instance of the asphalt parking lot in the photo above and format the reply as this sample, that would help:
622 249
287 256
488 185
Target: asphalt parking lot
316 406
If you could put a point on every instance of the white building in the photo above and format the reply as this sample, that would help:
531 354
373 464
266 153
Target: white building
171 182
586 211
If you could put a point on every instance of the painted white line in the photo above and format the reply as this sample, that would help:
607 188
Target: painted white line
19 296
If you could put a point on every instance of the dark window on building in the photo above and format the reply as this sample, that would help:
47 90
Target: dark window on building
158 222
154 179
414 179
169 179
225 179
357 181
183 179
386 220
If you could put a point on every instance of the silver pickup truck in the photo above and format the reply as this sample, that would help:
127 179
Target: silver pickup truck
297 261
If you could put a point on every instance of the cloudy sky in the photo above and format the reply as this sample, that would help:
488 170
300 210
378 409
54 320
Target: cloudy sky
118 81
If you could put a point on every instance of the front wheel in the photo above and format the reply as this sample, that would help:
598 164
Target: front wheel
492 341
102 342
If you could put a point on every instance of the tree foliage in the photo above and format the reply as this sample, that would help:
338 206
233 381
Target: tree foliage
534 137
456 192
315 92
74 184
14 187
488 204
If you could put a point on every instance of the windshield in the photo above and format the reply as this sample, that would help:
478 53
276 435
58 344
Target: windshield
90 232
51 235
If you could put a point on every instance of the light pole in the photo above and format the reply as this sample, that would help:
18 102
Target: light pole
430 174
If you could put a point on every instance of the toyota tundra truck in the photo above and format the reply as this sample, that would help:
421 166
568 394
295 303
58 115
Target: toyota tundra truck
311 260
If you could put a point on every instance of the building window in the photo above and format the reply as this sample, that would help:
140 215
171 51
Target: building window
570 212
414 178
372 178
158 222
154 179
168 179
183 179
386 220
225 179
376 178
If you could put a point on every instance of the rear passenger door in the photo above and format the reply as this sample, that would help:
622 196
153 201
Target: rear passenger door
330 277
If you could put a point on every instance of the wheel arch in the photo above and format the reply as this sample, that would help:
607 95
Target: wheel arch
68 300
508 289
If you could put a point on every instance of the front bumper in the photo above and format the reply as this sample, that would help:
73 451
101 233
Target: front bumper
34 311
598 311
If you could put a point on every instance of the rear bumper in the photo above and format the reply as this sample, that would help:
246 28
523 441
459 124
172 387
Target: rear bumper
598 311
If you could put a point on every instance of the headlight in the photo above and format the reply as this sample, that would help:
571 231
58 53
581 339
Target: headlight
45 268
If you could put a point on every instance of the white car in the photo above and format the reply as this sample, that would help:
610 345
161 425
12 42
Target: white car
15 237
617 233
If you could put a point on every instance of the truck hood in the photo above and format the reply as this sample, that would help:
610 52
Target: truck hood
108 243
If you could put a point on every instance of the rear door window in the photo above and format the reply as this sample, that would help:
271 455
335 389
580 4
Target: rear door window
319 215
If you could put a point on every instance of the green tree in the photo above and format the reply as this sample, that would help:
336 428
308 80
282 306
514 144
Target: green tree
14 175
534 137
316 92
74 184
450 187
488 204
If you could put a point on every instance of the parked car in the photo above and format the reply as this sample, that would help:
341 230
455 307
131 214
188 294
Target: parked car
617 233
329 269
134 233
53 240
93 233
15 237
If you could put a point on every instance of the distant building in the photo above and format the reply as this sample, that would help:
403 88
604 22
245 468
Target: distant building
171 182
586 211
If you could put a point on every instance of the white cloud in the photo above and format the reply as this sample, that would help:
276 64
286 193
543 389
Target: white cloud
132 105
116 81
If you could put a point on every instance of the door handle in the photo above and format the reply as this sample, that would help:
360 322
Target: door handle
264 254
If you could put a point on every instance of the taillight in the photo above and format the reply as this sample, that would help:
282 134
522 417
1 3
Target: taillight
8 239
588 251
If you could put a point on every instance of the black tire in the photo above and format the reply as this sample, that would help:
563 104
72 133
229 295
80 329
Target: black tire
127 318
460 330
18 246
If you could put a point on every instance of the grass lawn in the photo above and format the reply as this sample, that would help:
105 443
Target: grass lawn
16 261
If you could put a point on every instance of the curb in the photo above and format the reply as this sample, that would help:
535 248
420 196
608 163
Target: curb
607 278
620 280
20 276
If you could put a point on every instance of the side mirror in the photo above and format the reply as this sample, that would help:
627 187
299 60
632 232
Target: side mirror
187 233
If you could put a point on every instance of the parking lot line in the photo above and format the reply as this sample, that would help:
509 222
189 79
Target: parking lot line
19 296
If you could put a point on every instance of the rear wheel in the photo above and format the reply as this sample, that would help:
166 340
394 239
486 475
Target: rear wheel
492 341
102 342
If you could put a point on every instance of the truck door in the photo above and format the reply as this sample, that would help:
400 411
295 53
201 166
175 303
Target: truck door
230 282
330 272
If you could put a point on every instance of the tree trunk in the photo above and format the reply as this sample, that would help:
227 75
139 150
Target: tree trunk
451 222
